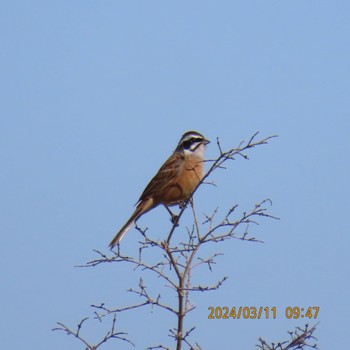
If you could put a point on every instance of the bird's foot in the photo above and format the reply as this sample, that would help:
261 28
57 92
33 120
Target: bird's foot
183 204
174 219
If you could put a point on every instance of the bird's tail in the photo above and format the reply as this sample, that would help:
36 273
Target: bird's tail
142 208
124 230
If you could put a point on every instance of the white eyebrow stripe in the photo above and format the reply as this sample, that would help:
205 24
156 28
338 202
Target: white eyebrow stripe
194 138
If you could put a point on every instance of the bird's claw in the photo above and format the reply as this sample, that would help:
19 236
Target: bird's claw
174 219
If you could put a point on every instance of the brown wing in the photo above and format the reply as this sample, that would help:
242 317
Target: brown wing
164 176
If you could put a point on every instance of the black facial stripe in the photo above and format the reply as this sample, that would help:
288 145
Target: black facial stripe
193 140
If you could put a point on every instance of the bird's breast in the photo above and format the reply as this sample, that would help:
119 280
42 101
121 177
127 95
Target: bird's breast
190 173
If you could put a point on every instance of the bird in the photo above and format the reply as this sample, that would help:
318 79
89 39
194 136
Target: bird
174 182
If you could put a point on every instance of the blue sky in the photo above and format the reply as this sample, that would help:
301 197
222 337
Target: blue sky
94 97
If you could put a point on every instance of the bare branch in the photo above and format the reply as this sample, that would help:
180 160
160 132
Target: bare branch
300 338
111 334
175 262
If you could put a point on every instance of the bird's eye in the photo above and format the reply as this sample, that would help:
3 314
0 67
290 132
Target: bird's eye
188 143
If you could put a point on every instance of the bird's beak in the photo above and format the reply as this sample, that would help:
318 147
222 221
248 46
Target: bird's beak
205 141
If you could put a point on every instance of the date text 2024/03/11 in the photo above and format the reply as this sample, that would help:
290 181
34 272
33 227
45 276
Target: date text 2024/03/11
252 312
